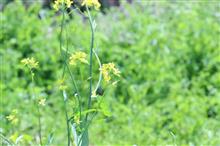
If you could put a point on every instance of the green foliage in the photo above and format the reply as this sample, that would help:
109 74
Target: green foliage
168 54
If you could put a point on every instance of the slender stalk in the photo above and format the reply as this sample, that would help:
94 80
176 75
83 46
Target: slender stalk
86 128
100 74
64 56
39 123
88 123
38 110
65 65
76 89
90 60
67 122
68 69
96 110
85 137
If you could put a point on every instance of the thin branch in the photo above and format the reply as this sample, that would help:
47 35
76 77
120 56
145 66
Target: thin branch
38 110
90 60
100 74
64 56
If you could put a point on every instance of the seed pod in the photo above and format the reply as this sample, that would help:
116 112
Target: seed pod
100 91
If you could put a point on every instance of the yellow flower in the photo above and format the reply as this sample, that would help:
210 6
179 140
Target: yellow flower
68 3
30 62
78 56
61 84
108 68
13 117
91 3
58 3
42 102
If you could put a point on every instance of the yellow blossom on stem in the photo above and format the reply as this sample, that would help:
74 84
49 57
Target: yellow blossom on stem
30 62
42 102
13 117
61 84
56 5
78 56
92 3
107 69
59 3
69 3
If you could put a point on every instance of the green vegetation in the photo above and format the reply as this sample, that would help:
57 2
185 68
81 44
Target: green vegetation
168 55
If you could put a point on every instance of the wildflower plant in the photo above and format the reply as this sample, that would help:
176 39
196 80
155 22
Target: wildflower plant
176 86
42 102
59 3
32 64
92 3
13 117
108 68
78 57
85 111
77 122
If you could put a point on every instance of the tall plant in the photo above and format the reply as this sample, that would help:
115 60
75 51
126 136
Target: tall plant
80 120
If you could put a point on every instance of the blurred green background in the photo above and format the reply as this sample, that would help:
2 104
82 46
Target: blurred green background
169 56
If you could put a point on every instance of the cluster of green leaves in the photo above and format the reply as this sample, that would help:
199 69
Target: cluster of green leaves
168 54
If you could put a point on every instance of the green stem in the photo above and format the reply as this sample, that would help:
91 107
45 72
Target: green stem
70 73
64 56
88 123
100 73
38 110
76 88
85 135
72 79
67 122
90 59
39 123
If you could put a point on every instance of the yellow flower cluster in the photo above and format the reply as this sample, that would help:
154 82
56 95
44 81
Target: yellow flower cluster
30 62
58 3
61 84
13 117
92 3
42 102
108 68
78 56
